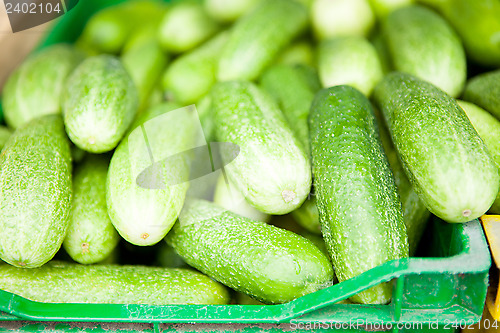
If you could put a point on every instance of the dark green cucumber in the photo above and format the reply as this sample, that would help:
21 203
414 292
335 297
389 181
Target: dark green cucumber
446 161
359 207
60 282
484 90
270 264
35 192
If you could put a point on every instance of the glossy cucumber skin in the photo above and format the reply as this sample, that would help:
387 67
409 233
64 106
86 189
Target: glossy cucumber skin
270 264
90 237
61 282
101 102
272 169
359 207
443 156
34 89
35 192
484 91
440 57
258 37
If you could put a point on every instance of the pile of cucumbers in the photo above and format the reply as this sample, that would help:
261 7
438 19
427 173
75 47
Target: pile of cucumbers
341 115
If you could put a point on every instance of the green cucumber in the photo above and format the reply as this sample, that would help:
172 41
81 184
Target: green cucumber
5 134
488 128
60 282
299 52
35 88
445 159
35 187
291 88
359 207
141 215
258 37
439 57
349 60
270 264
484 90
227 11
307 216
100 104
272 167
90 237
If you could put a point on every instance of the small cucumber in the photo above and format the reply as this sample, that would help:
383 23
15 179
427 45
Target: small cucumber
90 237
227 11
300 52
359 207
61 282
439 57
484 90
349 60
5 134
258 37
271 167
307 216
100 104
445 159
35 88
35 187
272 265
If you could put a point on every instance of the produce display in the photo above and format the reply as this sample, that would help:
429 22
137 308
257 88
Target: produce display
246 151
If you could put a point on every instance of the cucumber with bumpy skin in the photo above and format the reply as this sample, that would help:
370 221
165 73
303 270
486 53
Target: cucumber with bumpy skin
270 264
484 90
359 207
443 156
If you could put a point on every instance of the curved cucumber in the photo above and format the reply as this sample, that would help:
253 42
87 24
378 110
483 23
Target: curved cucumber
439 57
100 104
443 156
35 187
271 167
90 237
60 282
484 90
270 264
359 208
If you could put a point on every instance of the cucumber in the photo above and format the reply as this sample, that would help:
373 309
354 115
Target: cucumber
271 167
294 89
359 207
90 237
439 57
300 52
488 128
142 215
35 187
5 134
185 25
484 90
382 8
307 216
60 282
167 257
270 264
100 104
349 60
257 38
191 76
227 11
341 18
229 197
35 88
443 156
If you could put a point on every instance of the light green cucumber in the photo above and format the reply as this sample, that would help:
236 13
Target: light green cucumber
229 197
439 57
191 76
349 60
272 167
5 134
488 128
60 282
299 52
185 26
293 88
90 237
100 104
382 8
35 192
258 37
35 88
270 264
359 207
227 11
484 91
443 156
144 212
307 216
341 18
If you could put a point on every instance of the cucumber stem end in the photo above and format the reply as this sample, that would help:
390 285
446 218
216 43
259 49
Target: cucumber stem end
288 195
